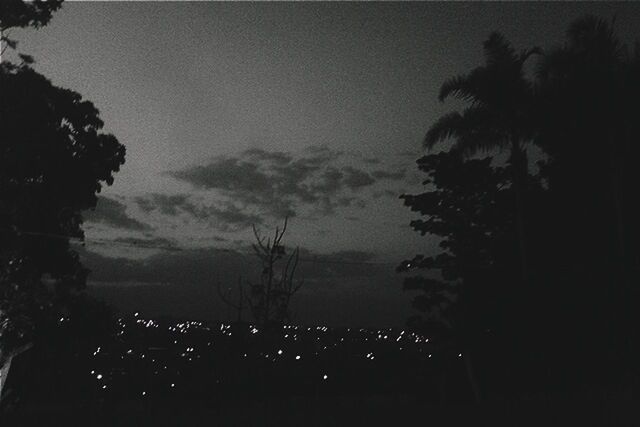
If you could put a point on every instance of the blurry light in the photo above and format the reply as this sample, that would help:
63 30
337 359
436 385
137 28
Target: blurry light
99 376
297 357
324 377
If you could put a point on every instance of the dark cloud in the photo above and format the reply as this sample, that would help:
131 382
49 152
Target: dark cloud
166 204
278 184
372 160
395 175
226 217
147 242
204 265
386 193
111 212
185 283
355 178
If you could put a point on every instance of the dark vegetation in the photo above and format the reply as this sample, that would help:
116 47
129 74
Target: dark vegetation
539 264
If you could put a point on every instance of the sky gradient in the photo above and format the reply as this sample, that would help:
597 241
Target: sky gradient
243 113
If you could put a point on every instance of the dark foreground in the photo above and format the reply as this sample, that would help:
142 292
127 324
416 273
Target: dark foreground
188 374
585 409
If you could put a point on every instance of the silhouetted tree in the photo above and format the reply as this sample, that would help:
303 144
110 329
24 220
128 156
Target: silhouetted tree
469 207
20 14
589 89
269 299
53 160
500 116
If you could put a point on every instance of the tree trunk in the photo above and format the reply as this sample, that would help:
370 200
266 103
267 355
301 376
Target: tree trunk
623 292
473 381
520 173
4 372
5 364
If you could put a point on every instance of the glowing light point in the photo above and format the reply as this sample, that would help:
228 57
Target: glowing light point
324 377
297 357
99 376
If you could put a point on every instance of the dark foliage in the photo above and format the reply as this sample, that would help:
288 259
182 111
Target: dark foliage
53 160
570 320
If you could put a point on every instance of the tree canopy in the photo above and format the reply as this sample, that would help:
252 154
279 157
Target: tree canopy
582 236
54 159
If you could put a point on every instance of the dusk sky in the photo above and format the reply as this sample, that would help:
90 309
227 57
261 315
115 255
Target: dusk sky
236 114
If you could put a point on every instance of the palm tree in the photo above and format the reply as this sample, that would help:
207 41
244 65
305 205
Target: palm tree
591 87
500 116
593 66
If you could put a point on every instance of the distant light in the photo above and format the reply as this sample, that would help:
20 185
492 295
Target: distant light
144 393
297 357
459 354
136 314
324 377
172 385
279 352
104 387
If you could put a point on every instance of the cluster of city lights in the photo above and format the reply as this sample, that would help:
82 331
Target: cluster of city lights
168 355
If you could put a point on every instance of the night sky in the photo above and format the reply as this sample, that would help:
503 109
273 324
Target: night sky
243 113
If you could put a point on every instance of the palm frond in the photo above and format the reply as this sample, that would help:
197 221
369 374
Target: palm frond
498 50
480 141
445 127
593 34
457 86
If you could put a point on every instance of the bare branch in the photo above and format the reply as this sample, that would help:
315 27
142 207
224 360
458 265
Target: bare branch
259 239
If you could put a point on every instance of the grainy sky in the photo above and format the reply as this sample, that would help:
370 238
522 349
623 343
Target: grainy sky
242 113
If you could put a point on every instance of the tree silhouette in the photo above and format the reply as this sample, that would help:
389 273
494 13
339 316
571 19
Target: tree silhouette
589 89
53 160
269 299
469 207
500 116
20 14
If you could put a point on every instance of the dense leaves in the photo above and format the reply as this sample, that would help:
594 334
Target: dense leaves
578 214
53 160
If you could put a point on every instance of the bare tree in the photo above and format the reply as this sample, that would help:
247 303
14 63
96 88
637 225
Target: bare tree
269 299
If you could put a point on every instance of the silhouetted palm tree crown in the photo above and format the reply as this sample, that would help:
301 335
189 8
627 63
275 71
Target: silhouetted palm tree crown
501 102
500 115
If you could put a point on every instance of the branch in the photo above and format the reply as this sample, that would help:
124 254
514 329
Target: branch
296 257
259 239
